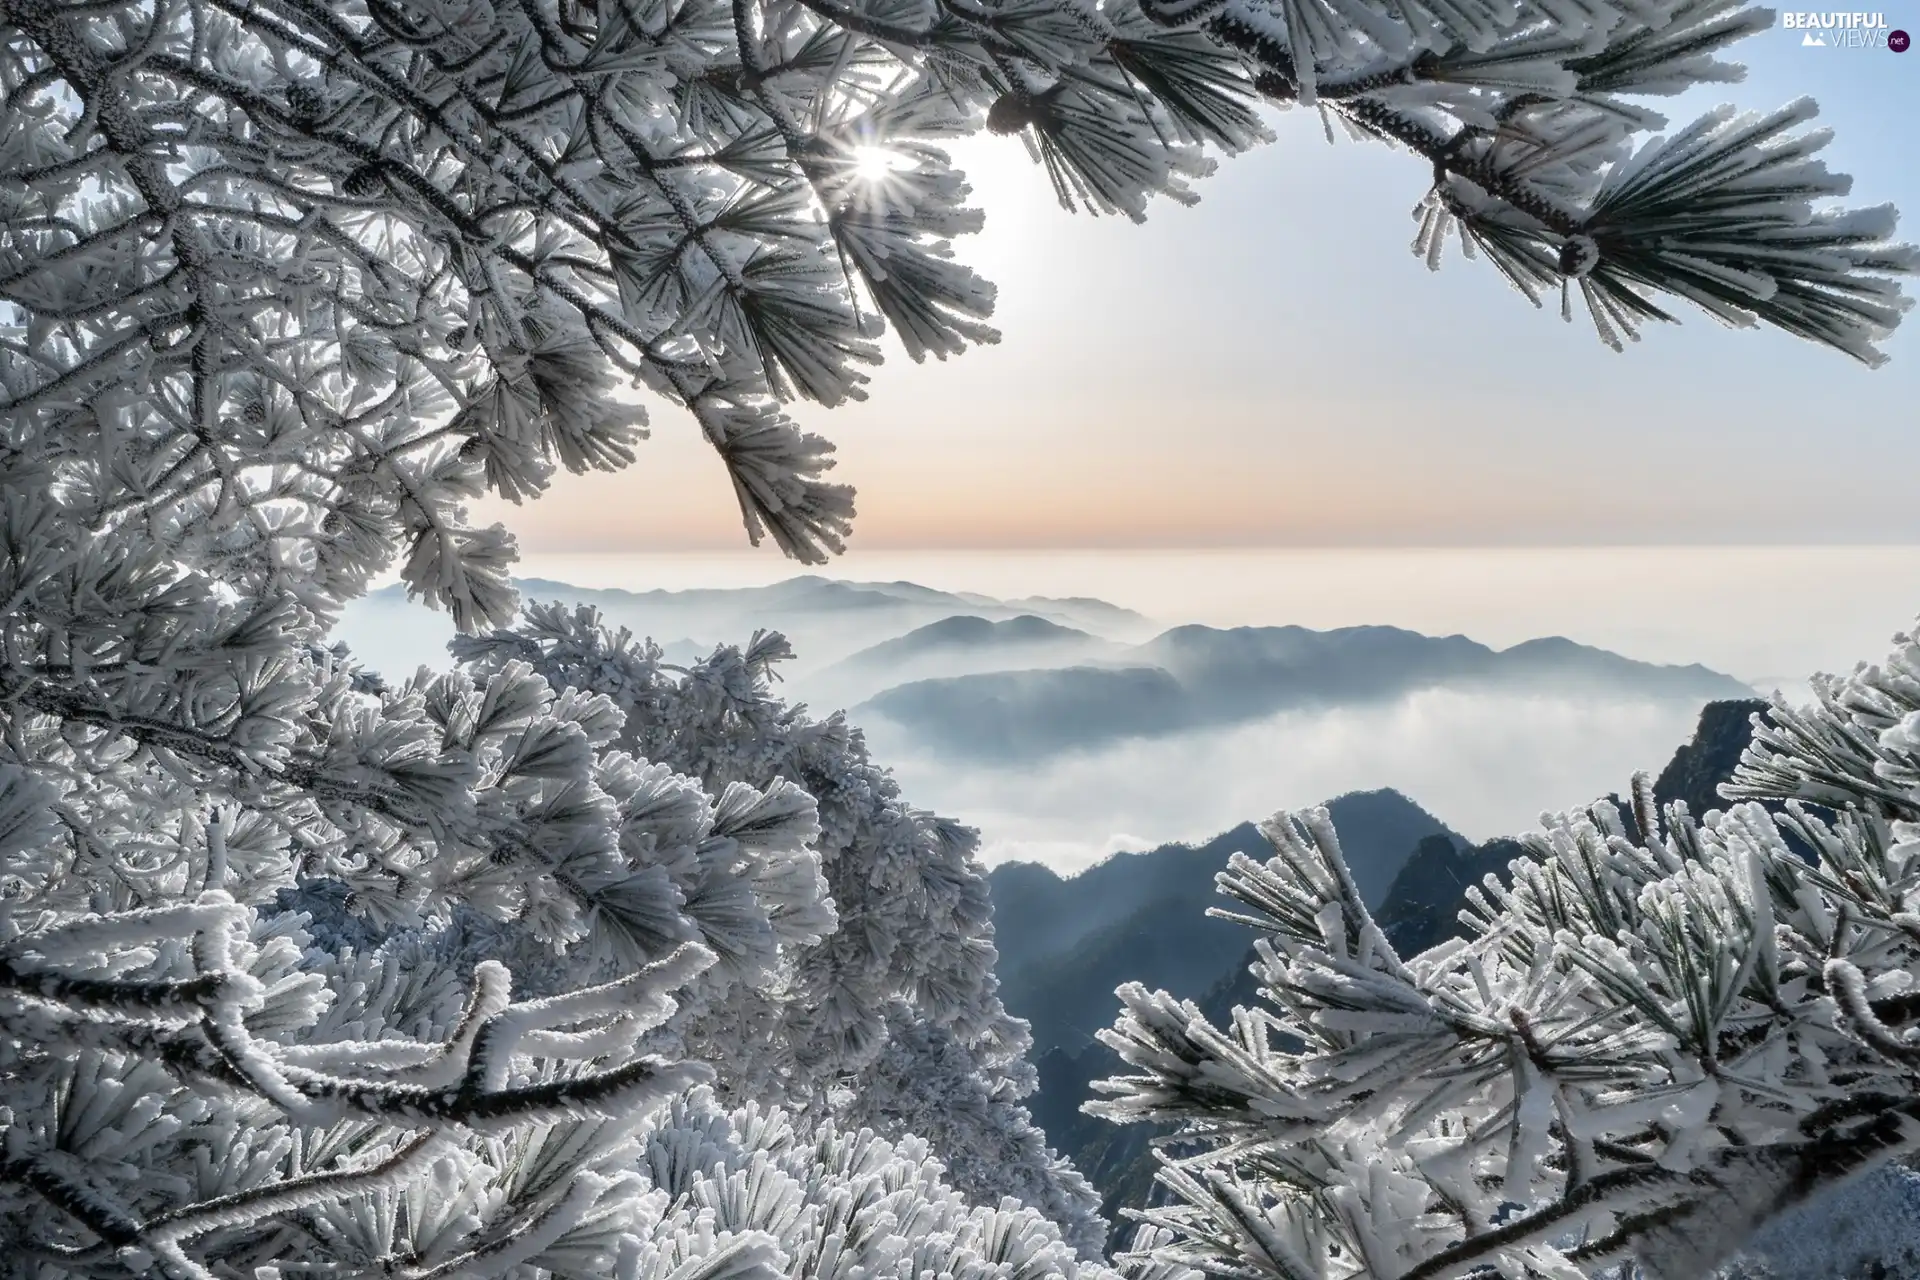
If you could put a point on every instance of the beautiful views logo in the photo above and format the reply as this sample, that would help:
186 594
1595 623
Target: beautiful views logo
1845 31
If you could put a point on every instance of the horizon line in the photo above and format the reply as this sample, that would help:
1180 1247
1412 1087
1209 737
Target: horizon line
773 553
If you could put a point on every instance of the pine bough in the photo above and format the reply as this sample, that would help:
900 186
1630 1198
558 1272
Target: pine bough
893 1022
288 280
303 970
1661 1036
285 283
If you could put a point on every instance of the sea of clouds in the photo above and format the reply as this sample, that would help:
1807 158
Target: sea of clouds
1486 764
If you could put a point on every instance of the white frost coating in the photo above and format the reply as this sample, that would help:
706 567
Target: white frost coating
906 1003
284 286
212 1080
78 938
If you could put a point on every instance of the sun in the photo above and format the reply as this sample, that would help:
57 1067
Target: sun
875 164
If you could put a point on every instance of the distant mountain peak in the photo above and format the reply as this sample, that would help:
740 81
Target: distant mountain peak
961 641
967 626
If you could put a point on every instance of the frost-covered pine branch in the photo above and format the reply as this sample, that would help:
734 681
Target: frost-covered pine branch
254 913
285 283
484 1150
1662 1035
892 1021
130 1041
277 1085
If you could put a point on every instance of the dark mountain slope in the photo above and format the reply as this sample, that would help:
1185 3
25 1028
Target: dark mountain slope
1700 766
1173 943
1039 914
1001 715
1042 921
1428 895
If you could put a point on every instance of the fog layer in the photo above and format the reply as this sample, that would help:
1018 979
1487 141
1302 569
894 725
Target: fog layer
1486 764
1226 726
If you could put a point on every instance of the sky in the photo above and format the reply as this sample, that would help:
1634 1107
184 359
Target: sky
1274 368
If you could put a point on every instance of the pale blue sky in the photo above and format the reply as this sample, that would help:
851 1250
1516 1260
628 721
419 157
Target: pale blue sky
1274 367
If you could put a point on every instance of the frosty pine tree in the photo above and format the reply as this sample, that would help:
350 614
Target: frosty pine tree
558 963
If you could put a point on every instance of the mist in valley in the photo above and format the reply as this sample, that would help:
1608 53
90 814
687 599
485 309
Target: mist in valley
1066 728
1486 764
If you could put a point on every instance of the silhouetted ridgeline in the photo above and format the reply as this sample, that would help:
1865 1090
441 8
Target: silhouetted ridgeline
1197 677
968 633
1699 767
1066 944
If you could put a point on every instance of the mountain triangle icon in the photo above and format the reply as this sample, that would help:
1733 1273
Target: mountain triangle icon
1811 39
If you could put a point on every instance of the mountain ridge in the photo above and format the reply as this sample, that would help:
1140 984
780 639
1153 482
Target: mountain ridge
962 641
1066 941
1197 677
825 618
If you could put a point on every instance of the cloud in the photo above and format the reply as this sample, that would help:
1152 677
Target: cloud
1486 764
